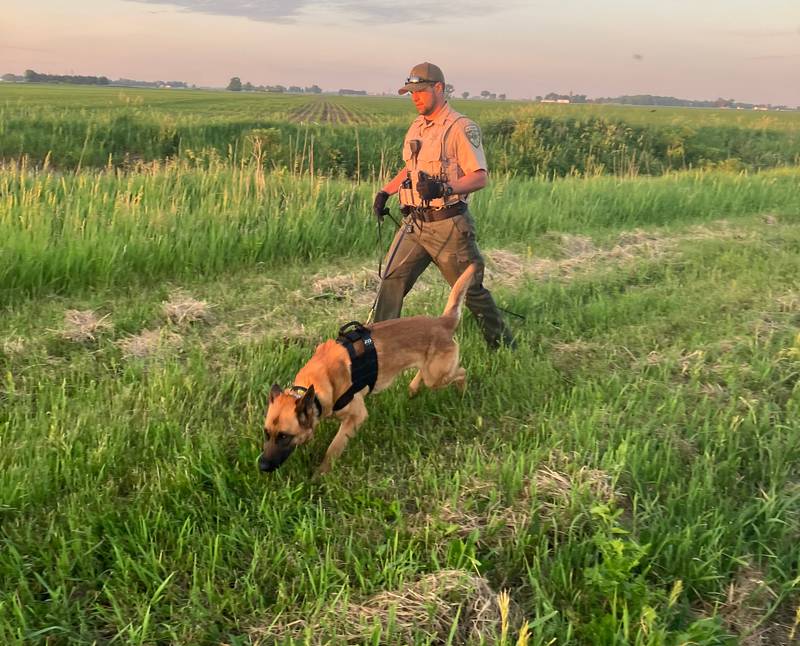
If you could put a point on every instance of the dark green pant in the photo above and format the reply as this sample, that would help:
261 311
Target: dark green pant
451 245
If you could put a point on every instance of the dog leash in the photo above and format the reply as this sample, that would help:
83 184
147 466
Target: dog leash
381 274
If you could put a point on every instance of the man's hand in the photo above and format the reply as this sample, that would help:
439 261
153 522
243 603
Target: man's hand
379 205
429 188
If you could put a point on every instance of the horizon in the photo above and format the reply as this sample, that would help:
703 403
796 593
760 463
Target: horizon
115 82
731 49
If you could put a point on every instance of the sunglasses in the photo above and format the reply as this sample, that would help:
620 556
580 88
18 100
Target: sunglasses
419 79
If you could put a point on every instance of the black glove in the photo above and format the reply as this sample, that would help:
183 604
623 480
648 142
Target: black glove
429 188
379 205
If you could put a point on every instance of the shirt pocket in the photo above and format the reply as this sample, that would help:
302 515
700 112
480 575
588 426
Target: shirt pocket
406 152
430 158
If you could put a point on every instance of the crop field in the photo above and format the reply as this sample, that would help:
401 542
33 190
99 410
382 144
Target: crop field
321 111
119 127
630 474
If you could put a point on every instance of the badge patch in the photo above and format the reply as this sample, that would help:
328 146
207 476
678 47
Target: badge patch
473 133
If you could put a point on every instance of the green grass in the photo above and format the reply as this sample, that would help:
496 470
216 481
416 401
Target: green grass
66 233
656 377
76 127
629 474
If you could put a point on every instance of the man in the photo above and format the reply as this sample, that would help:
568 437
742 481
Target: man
444 163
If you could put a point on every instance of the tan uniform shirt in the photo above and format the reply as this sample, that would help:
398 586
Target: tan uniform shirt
450 146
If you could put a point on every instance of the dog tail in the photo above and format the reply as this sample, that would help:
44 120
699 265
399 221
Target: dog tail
458 293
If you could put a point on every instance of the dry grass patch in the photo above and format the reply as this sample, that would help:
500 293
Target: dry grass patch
575 245
357 287
287 328
638 237
687 362
182 309
556 489
548 495
507 268
770 219
437 606
149 343
568 356
504 267
14 347
583 256
747 611
789 302
84 326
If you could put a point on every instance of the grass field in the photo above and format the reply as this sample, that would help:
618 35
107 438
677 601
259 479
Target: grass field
358 137
629 475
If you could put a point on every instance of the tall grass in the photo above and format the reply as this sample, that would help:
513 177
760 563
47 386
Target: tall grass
102 228
99 127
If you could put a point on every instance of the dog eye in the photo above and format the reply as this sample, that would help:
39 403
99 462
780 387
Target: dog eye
281 437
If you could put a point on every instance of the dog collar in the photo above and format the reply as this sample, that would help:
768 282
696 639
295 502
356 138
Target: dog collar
303 389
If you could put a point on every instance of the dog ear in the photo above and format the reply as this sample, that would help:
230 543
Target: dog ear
274 392
305 408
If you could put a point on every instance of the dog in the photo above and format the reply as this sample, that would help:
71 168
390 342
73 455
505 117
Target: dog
421 342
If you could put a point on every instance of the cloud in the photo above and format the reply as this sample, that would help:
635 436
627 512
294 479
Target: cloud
265 11
379 11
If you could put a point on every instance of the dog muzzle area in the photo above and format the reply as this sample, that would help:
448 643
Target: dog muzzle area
267 463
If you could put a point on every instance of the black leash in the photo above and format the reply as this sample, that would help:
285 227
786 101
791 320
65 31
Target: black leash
381 275
503 309
379 244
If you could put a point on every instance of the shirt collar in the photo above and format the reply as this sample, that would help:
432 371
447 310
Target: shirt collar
441 116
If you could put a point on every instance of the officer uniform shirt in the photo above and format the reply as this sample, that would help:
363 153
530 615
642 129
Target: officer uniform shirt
450 147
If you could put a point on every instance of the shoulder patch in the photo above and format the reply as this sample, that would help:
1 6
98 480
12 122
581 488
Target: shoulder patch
473 133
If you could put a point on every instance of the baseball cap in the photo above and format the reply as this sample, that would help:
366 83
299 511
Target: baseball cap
420 76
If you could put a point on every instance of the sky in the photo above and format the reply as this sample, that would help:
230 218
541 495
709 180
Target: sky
747 50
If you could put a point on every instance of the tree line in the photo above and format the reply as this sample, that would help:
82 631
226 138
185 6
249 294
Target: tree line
31 76
236 85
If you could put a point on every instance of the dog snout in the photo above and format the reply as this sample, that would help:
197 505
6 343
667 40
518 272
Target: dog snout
267 463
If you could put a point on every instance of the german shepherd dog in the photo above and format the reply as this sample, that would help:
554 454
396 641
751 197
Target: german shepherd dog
421 342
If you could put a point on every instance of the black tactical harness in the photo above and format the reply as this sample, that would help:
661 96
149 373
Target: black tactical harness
357 340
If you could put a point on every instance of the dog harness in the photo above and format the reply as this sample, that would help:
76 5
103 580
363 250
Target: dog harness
357 340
